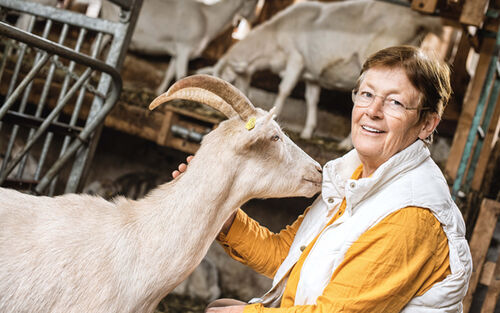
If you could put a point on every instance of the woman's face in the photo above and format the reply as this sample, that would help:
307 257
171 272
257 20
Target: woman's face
377 135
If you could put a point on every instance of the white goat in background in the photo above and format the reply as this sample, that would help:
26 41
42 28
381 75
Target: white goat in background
181 29
323 44
81 253
23 21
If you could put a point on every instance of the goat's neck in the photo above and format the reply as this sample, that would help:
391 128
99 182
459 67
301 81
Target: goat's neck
207 196
221 15
189 212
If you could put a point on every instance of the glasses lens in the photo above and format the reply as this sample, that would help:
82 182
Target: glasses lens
391 106
394 108
362 98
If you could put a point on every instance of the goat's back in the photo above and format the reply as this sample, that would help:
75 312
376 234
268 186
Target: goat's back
334 38
43 242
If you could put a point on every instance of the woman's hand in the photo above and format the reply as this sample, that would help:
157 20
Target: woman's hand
227 225
182 167
226 309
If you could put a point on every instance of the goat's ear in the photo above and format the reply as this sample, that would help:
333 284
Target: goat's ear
260 130
270 115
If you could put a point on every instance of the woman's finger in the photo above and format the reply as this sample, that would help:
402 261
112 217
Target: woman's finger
182 167
175 174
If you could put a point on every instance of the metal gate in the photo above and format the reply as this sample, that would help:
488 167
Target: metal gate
59 78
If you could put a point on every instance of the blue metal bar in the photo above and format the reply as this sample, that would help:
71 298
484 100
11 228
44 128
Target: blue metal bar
458 184
485 125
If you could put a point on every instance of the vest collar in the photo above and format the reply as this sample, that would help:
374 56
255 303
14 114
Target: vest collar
337 182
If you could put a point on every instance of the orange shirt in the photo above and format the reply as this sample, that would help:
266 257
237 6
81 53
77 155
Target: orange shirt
399 258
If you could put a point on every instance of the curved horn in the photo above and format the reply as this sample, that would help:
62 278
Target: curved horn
212 91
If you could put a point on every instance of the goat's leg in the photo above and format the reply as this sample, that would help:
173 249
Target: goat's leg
182 62
178 66
169 74
312 93
23 21
293 70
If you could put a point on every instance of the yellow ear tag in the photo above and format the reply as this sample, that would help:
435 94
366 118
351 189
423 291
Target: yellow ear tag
250 124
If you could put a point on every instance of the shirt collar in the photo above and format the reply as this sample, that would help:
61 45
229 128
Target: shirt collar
337 173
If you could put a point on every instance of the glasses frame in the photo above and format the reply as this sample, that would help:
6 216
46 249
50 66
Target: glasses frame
354 93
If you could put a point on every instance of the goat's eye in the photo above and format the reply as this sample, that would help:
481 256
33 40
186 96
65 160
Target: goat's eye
275 138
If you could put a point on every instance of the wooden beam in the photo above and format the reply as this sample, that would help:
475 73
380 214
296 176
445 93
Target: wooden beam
473 12
425 6
486 150
460 78
135 120
488 273
469 108
479 244
491 298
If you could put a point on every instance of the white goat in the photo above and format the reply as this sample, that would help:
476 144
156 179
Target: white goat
324 44
80 253
181 29
23 21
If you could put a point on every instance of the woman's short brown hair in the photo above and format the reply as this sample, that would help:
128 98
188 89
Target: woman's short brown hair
427 74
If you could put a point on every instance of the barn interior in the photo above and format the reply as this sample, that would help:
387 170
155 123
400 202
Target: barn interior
77 76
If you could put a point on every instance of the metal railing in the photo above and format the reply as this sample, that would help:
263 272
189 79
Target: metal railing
57 84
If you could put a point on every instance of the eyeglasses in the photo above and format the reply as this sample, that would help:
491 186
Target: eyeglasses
391 106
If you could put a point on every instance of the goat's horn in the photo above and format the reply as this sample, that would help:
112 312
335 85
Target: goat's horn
209 90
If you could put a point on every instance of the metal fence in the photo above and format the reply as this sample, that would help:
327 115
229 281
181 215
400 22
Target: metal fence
59 78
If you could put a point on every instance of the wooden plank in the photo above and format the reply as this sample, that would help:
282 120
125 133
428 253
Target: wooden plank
491 298
488 272
460 78
439 45
165 128
426 6
486 150
191 120
217 118
490 176
468 109
183 145
479 244
473 12
135 121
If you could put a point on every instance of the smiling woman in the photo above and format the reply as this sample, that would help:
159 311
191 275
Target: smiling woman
386 116
384 235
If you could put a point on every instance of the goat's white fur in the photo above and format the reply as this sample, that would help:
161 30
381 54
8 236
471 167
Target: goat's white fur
81 253
181 29
324 44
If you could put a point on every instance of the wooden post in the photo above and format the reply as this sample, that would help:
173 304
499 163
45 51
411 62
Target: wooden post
479 244
473 12
486 149
426 6
469 108
490 300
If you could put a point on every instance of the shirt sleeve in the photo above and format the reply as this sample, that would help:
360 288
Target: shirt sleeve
399 258
256 246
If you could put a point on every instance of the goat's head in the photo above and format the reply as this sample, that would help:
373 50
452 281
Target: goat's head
262 158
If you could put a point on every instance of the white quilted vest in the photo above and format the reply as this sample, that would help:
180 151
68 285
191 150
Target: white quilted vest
409 178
